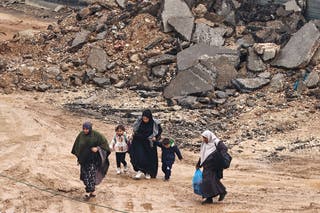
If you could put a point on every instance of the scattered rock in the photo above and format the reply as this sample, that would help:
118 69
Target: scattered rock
161 59
80 39
193 80
312 80
183 26
172 9
160 71
277 82
208 35
101 82
188 57
267 51
255 64
98 59
301 47
250 84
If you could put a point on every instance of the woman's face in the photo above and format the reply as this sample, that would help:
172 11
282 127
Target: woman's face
119 132
205 140
145 119
86 131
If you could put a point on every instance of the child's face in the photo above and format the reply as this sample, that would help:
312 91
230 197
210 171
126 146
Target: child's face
167 145
86 131
119 132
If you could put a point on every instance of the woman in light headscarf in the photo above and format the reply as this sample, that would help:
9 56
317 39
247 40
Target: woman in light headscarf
92 150
212 171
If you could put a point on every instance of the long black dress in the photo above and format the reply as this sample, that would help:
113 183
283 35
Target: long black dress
143 156
212 173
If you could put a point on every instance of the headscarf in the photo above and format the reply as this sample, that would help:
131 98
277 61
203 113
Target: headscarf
147 113
87 125
210 147
146 129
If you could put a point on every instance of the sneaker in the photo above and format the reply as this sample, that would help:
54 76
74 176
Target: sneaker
118 171
138 175
148 176
126 169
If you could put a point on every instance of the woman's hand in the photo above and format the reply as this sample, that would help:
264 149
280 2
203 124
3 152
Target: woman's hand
94 149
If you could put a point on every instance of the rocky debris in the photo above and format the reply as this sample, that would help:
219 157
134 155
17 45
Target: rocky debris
98 59
183 26
277 82
250 84
101 82
255 64
267 51
122 3
187 57
3 65
301 47
292 6
161 59
223 68
80 39
195 79
172 9
160 71
208 35
312 79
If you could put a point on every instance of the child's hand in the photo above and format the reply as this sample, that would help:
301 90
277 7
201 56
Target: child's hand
94 149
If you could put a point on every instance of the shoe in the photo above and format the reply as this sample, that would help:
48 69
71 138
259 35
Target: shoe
118 171
207 201
148 177
139 175
126 169
165 179
221 197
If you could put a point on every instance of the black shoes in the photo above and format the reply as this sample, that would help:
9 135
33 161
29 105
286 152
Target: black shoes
221 197
207 201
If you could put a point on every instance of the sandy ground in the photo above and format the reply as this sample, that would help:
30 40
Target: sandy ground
36 138
12 22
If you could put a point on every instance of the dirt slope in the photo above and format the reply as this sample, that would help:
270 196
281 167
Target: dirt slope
36 137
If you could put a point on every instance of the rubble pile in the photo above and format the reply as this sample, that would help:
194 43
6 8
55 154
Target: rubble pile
189 54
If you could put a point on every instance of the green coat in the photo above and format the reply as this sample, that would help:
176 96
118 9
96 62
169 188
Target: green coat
84 142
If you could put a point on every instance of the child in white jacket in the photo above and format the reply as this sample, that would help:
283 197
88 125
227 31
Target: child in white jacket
119 144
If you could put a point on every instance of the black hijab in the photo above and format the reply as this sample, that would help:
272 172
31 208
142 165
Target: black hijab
146 129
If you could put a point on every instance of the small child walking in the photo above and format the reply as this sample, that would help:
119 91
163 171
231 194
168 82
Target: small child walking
119 144
169 149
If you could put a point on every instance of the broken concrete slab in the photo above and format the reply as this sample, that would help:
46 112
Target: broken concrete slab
174 8
301 47
292 5
80 39
255 64
188 57
277 82
208 35
183 26
250 84
222 67
193 80
316 58
161 59
122 3
267 51
101 82
98 59
312 80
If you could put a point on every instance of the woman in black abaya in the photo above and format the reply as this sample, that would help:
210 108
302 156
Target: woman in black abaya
143 152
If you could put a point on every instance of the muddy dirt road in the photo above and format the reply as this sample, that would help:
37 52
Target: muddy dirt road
36 137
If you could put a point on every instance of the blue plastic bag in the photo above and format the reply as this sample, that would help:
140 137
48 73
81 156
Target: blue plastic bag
197 181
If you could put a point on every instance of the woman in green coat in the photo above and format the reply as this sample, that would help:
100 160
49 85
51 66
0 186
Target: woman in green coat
92 150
